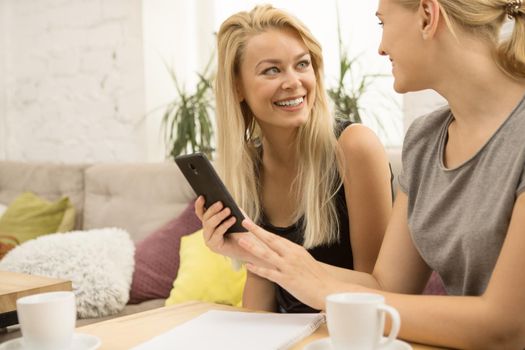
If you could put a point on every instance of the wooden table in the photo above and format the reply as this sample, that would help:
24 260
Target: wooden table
16 285
128 331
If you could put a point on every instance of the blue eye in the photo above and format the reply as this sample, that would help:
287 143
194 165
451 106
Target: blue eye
304 64
271 71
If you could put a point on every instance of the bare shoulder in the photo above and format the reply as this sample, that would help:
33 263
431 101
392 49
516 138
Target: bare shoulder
358 142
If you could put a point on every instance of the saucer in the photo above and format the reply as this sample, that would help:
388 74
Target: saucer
80 342
324 344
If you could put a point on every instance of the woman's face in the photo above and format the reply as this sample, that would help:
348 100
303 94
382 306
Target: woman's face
277 79
402 42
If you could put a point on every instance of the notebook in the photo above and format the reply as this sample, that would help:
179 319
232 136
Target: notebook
234 330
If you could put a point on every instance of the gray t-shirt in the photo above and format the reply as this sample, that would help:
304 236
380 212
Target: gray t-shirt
458 217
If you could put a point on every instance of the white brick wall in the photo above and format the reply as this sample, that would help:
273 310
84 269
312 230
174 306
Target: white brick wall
77 77
73 80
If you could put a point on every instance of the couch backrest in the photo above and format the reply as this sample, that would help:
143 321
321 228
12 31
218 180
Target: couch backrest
47 180
136 197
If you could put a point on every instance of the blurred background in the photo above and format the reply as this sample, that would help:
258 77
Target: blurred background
85 81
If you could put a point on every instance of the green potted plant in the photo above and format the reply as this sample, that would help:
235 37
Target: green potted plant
346 94
187 120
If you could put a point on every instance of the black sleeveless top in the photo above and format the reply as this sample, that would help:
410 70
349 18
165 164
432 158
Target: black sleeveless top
337 254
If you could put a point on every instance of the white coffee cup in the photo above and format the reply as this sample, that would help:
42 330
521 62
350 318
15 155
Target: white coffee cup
357 321
47 320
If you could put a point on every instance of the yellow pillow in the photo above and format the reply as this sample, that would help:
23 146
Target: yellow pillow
29 216
205 276
68 220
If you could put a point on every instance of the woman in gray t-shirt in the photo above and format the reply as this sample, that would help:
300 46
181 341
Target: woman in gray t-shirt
461 205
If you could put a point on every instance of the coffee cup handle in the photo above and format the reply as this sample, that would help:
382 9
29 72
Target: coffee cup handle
394 328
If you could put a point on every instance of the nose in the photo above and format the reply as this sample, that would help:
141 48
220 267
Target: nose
292 80
380 49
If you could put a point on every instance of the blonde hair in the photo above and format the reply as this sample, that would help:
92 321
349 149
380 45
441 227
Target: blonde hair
485 18
238 136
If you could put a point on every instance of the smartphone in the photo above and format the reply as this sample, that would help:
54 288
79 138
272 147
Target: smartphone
202 177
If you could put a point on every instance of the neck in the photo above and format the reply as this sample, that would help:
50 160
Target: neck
279 147
475 102
478 92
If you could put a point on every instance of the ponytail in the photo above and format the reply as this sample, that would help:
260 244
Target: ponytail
510 53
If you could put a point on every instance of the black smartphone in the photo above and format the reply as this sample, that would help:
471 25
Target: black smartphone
205 181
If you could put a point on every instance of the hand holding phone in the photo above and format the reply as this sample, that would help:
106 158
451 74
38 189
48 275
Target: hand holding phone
202 177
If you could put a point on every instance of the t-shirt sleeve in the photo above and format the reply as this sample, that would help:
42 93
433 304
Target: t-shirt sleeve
419 146
407 162
403 181
521 184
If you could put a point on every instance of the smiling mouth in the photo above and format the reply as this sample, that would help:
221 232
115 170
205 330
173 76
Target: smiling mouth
290 103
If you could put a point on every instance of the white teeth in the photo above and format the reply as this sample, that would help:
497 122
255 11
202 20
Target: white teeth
290 103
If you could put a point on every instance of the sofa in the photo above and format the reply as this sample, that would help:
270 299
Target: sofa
137 197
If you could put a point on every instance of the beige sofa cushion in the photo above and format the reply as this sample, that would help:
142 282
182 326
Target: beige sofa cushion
136 197
47 180
394 157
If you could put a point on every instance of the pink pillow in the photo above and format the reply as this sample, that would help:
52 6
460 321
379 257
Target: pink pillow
435 285
157 257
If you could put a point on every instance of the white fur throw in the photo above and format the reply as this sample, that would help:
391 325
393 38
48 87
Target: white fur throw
99 263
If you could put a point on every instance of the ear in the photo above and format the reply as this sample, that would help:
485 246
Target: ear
239 89
429 15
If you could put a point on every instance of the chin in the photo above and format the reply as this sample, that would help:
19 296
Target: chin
402 86
295 124
302 120
399 87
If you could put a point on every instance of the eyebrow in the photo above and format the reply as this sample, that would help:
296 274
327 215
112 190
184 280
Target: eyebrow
378 14
275 61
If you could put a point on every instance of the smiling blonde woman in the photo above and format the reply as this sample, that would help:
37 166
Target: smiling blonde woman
323 185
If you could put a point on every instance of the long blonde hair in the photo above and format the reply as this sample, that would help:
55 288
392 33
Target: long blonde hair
485 18
238 138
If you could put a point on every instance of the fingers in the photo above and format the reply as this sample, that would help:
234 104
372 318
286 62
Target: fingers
276 243
212 219
268 273
215 215
205 214
199 207
260 251
216 236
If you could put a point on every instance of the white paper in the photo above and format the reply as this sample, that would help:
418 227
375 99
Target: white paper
233 330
